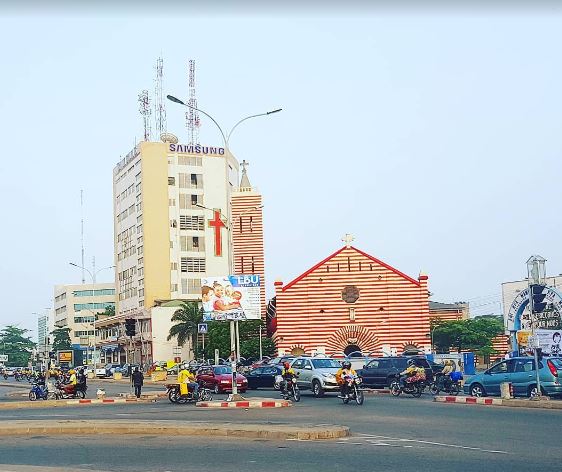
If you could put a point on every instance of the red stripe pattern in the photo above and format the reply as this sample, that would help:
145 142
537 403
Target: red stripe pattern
392 309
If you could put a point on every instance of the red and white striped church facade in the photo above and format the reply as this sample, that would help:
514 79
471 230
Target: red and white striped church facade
352 301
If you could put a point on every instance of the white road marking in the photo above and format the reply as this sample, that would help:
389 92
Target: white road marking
432 443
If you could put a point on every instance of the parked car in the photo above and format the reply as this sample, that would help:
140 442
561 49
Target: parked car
316 374
263 376
218 378
521 372
381 371
259 363
126 369
358 359
280 360
107 370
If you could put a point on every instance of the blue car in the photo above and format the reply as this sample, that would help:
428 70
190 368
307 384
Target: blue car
521 372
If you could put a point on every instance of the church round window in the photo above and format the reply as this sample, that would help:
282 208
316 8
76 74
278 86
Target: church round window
350 294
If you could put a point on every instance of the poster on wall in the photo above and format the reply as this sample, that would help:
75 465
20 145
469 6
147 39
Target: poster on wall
231 298
550 341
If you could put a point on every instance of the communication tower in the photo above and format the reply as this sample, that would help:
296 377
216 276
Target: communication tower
159 103
192 115
145 111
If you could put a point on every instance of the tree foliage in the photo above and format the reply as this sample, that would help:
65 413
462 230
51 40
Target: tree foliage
18 346
187 317
218 337
475 334
61 339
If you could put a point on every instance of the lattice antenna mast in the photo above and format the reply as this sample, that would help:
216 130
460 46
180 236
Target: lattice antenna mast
145 111
192 116
159 102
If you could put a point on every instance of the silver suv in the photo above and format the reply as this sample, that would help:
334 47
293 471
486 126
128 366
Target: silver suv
317 374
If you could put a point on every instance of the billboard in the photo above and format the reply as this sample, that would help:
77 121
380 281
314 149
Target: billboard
231 297
65 357
550 341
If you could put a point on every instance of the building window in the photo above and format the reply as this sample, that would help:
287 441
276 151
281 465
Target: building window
171 202
194 223
351 314
172 180
174 266
190 201
350 294
192 243
193 264
190 286
174 288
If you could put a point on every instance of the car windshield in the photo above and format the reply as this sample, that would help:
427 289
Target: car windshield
222 370
325 364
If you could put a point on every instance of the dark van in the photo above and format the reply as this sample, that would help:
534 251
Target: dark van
380 371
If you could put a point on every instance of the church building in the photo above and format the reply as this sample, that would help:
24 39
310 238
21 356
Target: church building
352 301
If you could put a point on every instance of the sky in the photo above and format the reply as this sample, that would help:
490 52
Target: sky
432 135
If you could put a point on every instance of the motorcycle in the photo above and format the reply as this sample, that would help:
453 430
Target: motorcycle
354 390
451 385
292 390
78 392
413 388
40 391
175 396
18 376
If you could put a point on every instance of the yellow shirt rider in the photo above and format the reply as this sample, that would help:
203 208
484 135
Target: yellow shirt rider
345 371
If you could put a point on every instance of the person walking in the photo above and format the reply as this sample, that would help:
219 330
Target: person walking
137 380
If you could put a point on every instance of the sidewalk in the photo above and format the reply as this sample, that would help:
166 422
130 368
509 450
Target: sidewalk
174 428
494 401
19 405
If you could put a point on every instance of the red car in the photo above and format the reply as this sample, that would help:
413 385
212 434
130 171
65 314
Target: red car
218 378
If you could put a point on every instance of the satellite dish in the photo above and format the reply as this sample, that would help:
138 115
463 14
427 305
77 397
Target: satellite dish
169 138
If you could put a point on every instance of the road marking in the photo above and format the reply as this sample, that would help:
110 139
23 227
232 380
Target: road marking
432 443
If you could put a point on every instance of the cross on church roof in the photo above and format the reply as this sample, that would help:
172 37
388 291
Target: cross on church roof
347 239
244 164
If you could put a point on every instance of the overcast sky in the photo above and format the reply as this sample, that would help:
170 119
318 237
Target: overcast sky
433 137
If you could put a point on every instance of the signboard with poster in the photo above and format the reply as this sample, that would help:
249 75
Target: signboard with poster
65 358
231 298
550 341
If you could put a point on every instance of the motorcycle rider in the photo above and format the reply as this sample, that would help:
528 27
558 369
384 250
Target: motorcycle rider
342 376
186 377
408 373
288 374
444 376
81 379
70 387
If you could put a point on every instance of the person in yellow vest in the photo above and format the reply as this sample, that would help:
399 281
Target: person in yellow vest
70 387
186 379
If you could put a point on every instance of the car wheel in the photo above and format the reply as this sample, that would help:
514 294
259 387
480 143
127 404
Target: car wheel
317 389
477 390
32 396
216 389
395 389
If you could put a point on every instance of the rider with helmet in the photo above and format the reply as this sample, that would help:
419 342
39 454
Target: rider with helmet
186 379
70 387
342 376
409 373
288 374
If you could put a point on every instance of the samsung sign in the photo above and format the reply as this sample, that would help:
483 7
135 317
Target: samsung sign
196 149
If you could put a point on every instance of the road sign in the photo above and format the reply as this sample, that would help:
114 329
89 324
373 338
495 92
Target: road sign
202 328
3 357
533 341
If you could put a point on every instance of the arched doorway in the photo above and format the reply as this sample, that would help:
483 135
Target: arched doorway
351 348
297 351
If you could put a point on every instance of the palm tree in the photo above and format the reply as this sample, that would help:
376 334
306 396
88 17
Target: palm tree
187 318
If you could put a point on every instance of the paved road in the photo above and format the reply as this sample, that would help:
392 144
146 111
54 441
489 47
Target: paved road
389 434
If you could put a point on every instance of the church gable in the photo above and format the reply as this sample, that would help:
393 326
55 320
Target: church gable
346 262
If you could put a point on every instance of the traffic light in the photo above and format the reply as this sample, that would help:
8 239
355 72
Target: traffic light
539 353
538 298
130 328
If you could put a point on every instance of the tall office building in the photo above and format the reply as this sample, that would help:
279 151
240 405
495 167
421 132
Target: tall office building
172 212
76 306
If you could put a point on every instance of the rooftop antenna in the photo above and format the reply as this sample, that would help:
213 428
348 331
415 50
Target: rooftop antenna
159 102
144 109
82 233
192 115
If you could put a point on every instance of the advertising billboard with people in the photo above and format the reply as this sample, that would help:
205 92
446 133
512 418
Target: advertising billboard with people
231 298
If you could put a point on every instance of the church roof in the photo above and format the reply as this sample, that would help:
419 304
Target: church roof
245 181
374 259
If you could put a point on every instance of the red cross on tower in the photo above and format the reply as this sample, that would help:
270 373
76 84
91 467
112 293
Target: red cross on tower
217 224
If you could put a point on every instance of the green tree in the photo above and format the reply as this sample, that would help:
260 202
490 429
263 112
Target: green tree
474 334
109 311
61 341
16 345
187 317
218 337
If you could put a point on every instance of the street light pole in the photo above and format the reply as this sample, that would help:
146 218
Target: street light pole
234 337
92 275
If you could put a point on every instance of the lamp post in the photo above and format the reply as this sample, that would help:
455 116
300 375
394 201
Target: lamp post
92 275
226 139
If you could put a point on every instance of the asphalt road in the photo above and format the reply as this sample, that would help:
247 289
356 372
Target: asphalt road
389 434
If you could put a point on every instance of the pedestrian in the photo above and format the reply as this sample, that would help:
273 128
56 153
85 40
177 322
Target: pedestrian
137 380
